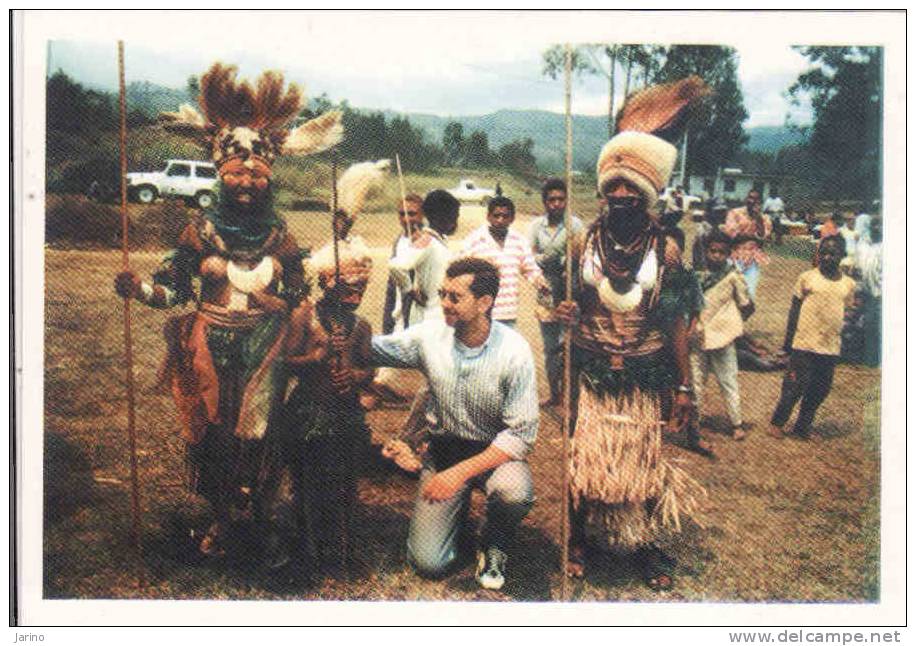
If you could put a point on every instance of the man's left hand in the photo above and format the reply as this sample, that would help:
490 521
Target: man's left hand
442 486
682 412
342 379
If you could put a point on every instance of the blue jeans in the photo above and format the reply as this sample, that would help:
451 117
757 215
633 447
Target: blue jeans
552 336
432 544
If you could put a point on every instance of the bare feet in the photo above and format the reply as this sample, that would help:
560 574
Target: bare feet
738 433
402 455
575 567
211 543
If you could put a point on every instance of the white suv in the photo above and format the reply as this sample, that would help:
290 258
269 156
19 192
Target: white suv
195 181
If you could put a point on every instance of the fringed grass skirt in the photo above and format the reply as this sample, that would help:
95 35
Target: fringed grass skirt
627 492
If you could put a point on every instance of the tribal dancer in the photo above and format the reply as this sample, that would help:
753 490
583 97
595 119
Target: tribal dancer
224 359
323 420
629 334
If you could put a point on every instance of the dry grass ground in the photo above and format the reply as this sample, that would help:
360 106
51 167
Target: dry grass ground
787 520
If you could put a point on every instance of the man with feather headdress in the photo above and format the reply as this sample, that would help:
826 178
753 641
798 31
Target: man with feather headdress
224 360
629 332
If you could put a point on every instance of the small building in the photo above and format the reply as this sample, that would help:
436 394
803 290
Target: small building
732 184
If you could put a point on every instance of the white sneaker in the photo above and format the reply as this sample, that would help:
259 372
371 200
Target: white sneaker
491 568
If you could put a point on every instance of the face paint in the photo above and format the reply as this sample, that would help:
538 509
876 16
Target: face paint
626 218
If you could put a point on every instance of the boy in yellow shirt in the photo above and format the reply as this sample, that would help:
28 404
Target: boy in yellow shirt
727 304
813 337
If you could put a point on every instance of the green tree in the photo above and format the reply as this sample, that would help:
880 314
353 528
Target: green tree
74 109
477 151
586 59
845 88
518 157
453 143
716 132
193 88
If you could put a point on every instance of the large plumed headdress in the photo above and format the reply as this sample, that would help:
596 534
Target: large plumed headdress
640 152
241 121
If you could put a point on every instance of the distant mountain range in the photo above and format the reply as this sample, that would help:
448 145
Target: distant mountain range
546 129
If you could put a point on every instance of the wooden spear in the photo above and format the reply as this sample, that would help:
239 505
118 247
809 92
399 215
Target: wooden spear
128 342
567 339
334 235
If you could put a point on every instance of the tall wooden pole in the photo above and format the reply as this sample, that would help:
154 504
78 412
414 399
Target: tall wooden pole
128 342
567 339
334 236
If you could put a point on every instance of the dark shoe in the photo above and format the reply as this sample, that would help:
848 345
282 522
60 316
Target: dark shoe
276 555
491 568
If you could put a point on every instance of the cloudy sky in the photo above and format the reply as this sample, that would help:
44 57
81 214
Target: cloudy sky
442 63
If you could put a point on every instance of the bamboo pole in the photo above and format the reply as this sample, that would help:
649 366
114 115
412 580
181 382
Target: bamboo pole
567 339
334 236
128 341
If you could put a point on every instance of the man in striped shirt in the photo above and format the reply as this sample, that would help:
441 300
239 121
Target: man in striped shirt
482 418
510 252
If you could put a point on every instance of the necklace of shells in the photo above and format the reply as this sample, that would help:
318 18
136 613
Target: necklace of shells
623 290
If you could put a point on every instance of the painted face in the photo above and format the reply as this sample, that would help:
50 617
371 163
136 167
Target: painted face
716 254
246 181
412 218
342 225
500 217
627 216
354 278
555 202
459 305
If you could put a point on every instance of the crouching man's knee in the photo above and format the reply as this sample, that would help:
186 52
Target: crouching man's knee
511 487
430 562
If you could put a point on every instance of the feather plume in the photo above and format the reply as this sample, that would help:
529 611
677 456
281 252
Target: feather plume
661 110
315 135
273 108
354 185
186 117
226 103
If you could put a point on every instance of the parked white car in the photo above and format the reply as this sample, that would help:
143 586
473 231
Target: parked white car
194 181
468 191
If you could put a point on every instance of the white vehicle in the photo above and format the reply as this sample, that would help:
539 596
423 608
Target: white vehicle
468 191
195 181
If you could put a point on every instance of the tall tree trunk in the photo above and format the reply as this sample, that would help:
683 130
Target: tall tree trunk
611 123
626 84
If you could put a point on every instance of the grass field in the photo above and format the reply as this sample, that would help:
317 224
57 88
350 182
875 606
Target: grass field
787 520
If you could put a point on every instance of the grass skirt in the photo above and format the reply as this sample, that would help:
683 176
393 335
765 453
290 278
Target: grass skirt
627 493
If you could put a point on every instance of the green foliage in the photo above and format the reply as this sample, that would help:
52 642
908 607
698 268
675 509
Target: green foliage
716 133
845 89
73 109
554 61
517 156
453 143
477 150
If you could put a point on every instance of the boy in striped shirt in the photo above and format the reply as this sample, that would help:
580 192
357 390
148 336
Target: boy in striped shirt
510 252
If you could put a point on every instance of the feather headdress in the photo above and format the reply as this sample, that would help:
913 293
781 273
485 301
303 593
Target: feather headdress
641 153
245 121
661 110
357 182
